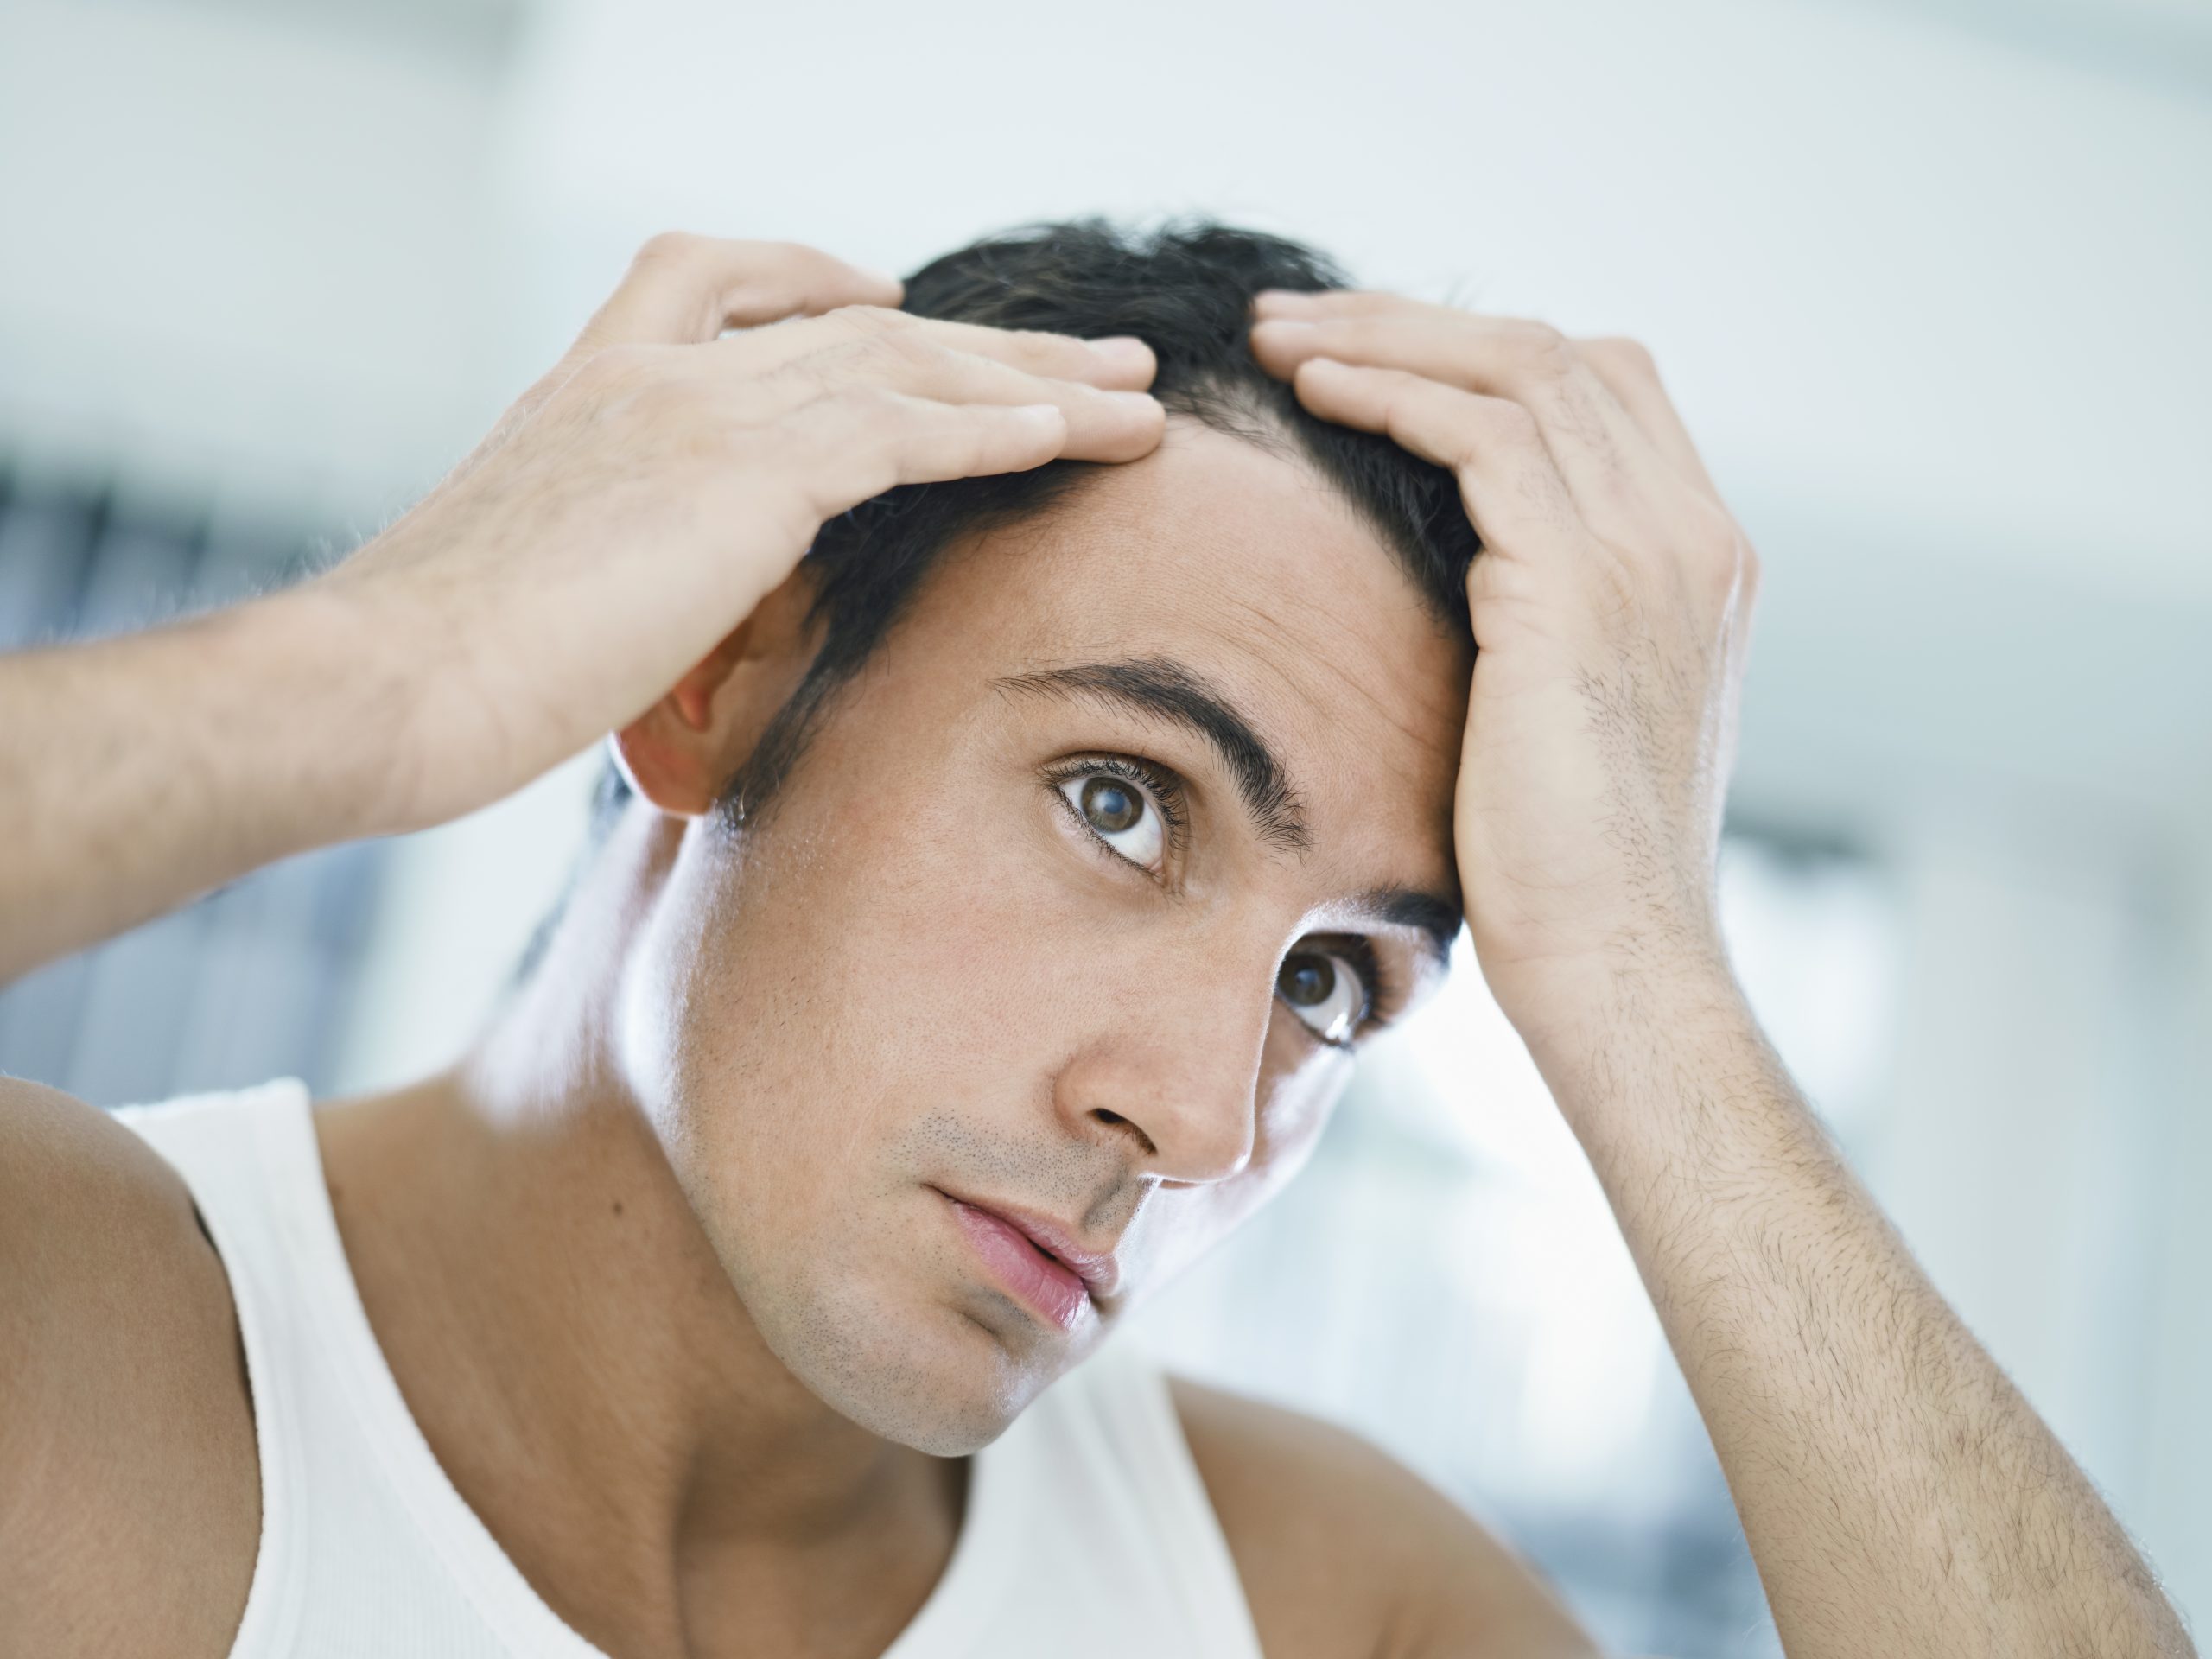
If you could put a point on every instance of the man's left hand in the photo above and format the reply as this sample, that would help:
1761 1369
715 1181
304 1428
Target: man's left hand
1610 601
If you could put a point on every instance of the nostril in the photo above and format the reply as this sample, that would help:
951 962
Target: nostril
1114 1120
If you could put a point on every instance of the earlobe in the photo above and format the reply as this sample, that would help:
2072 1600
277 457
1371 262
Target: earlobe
681 753
665 753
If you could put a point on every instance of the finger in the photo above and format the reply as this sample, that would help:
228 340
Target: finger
1102 424
1314 304
1627 370
1120 362
870 439
1604 455
1521 505
1623 367
683 290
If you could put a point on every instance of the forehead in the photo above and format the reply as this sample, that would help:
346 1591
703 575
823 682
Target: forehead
1243 564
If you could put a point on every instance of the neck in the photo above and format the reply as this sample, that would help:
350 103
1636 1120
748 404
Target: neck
575 1352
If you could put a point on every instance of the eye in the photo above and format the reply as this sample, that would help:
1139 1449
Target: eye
1328 990
1121 812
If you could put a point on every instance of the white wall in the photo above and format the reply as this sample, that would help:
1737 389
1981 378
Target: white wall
2020 1116
240 244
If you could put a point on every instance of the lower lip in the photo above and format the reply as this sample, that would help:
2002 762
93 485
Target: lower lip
1041 1284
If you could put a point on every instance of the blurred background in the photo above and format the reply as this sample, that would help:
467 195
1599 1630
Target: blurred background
1928 278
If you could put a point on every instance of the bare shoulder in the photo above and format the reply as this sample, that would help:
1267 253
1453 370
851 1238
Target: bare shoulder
1345 1554
130 1494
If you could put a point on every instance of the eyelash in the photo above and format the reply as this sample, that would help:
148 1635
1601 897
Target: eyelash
1168 794
1359 951
1170 797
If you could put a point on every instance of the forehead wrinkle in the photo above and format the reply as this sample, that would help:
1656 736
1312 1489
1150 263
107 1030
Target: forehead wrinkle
1266 628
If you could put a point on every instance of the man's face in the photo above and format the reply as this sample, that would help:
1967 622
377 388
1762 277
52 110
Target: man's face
1065 919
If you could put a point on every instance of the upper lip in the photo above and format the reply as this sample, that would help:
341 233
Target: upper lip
1100 1270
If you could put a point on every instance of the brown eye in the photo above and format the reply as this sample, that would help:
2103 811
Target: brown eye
1111 806
1326 992
1121 814
1305 982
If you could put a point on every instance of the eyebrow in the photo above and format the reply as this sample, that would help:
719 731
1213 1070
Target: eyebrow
1435 916
1160 688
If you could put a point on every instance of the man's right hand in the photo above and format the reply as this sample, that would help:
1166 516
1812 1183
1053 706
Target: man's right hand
635 503
627 514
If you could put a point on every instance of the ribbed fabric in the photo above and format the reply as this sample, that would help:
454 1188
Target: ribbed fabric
1088 1532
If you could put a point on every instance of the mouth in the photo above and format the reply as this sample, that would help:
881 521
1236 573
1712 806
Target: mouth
1032 1259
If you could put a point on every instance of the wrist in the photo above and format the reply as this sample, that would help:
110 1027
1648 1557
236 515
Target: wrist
1601 1028
339 708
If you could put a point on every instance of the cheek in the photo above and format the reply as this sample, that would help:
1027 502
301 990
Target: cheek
877 957
1300 1082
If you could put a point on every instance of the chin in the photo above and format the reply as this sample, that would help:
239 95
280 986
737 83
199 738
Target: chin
927 1377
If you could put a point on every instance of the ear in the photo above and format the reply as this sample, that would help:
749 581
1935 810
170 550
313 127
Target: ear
681 753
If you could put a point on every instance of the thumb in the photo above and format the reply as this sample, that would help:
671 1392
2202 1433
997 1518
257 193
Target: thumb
684 290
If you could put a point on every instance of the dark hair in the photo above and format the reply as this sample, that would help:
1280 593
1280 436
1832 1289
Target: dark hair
1185 289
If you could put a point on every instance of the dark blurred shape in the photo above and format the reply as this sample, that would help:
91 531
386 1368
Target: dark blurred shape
251 982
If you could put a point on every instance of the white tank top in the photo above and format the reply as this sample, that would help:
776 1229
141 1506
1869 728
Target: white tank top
1088 1533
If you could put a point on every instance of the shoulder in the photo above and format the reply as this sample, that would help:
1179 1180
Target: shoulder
1343 1551
128 1431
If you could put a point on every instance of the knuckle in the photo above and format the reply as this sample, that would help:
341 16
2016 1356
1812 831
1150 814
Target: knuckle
871 320
795 263
1039 346
1629 356
827 365
1747 567
905 348
869 408
1538 347
1716 547
1717 534
1514 423
666 249
851 442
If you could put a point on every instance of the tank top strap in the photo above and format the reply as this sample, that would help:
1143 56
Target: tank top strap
366 1547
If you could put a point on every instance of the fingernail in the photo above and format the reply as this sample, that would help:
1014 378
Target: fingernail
1286 325
1282 299
1122 348
1143 400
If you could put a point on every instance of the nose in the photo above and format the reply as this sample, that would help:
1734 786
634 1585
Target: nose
1175 1068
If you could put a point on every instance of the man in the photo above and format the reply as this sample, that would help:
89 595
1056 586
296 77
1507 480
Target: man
982 927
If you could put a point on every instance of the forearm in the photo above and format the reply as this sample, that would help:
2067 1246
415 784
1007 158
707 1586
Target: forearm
139 771
1899 1495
